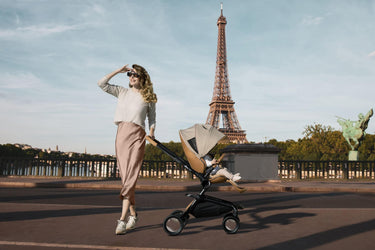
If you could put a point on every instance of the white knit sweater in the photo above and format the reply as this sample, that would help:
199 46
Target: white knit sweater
130 105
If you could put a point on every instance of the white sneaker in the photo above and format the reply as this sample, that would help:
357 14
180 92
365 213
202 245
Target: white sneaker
236 177
121 227
131 222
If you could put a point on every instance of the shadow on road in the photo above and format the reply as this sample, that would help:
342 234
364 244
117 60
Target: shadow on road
258 223
286 198
42 214
322 238
265 222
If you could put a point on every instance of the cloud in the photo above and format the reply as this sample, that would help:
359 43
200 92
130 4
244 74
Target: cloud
310 20
94 12
48 90
35 31
20 81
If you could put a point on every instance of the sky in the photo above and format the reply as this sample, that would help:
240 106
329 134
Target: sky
291 64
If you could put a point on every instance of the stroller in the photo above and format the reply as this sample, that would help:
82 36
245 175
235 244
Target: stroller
196 142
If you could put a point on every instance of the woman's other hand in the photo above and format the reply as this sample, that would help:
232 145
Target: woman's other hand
152 136
151 133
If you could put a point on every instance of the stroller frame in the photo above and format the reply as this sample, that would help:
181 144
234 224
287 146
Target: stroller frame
211 206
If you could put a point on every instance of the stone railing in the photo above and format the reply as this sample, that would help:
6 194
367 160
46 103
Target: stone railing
168 169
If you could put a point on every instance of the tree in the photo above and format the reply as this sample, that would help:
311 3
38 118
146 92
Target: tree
289 150
10 150
367 148
153 153
323 143
216 151
319 143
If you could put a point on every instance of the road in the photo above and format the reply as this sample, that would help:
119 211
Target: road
45 218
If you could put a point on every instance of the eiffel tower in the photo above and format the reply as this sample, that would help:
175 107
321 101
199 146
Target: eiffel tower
222 105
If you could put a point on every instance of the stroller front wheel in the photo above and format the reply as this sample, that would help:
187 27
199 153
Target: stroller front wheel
231 224
173 224
177 212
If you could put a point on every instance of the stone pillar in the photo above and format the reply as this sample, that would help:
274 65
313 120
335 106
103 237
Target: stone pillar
255 162
353 155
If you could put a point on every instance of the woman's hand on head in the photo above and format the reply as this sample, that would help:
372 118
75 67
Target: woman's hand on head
124 69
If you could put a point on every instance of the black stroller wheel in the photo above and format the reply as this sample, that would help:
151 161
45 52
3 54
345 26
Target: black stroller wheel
177 212
231 224
173 224
180 214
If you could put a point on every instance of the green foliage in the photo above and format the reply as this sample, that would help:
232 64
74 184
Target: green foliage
10 150
289 149
319 143
217 149
323 143
153 153
367 148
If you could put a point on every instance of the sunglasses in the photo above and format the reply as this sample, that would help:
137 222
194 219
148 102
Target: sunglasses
133 74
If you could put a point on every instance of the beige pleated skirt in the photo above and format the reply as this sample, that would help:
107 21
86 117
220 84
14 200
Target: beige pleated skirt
130 150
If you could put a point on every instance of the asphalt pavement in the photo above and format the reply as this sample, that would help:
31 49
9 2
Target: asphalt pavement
80 213
64 218
148 184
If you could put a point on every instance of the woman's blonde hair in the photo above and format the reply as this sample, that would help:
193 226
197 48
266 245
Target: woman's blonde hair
147 91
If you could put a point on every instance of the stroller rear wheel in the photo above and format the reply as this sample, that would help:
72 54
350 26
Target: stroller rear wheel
175 223
231 224
181 214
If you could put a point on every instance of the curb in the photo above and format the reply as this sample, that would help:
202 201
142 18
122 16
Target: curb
331 189
166 188
58 185
97 186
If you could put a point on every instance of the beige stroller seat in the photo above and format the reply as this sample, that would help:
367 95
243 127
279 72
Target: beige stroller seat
196 142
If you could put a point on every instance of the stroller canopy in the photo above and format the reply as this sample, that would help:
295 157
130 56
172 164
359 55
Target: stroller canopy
200 138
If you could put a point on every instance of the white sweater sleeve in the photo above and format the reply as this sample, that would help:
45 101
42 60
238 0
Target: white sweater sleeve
151 114
109 88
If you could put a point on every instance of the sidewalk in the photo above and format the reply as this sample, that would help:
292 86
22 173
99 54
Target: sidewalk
358 186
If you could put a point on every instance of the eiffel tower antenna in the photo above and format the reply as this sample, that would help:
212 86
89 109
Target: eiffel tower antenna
222 105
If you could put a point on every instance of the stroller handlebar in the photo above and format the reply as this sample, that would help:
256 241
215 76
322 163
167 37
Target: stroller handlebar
159 145
153 141
220 159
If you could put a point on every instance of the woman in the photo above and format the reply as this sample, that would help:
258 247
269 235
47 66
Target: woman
134 104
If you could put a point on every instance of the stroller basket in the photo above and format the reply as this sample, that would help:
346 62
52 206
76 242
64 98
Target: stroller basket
209 209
